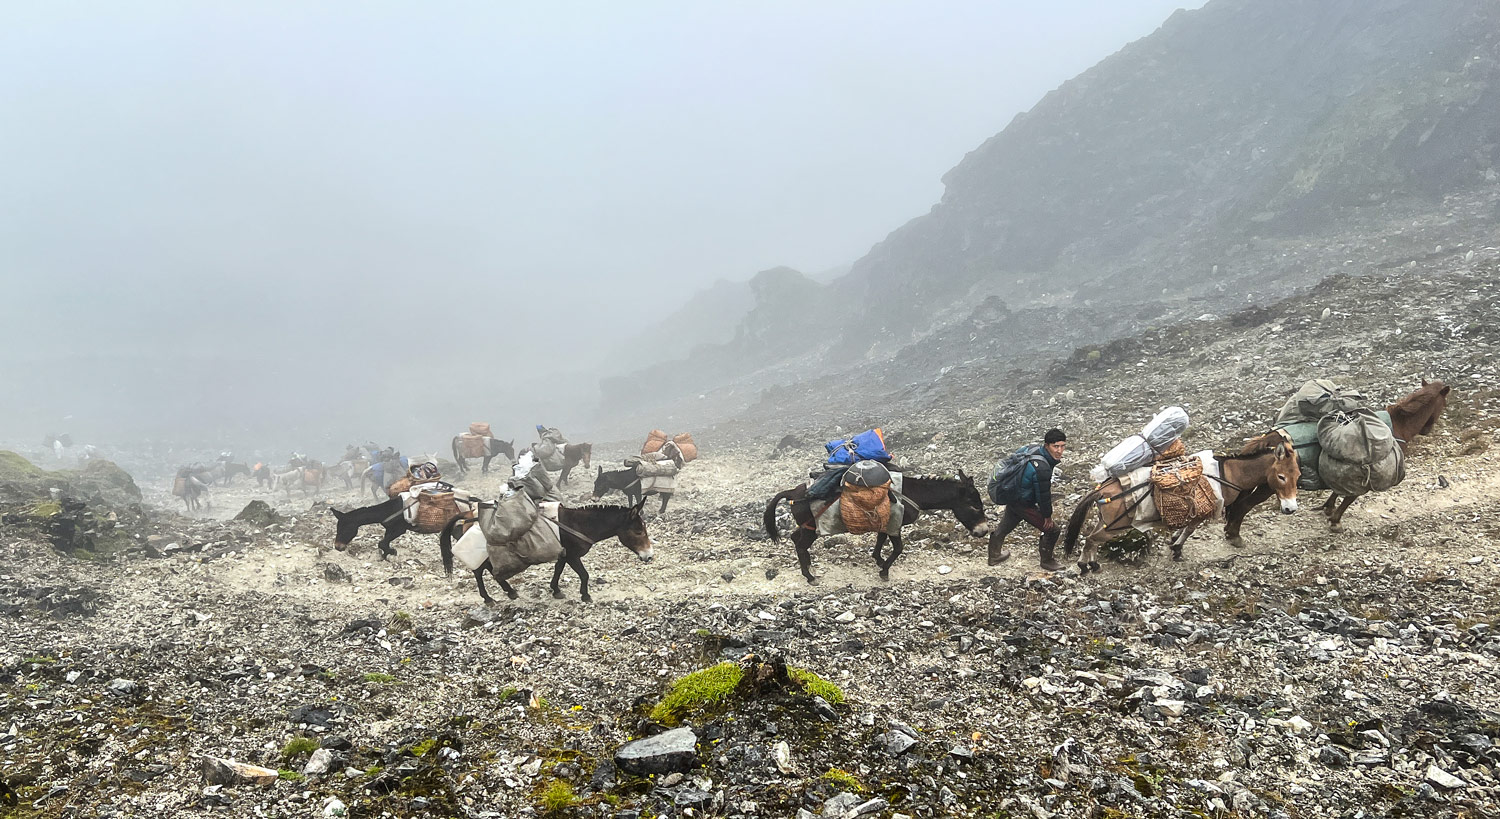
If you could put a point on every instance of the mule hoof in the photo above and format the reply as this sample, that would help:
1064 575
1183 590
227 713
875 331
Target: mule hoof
1176 558
811 581
1237 542
885 574
587 598
1083 568
557 594
1335 527
513 594
1094 566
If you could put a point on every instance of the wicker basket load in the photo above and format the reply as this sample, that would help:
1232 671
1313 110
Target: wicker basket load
865 509
471 445
1182 492
434 510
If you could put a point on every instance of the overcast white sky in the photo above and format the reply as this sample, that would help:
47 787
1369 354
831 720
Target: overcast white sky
260 197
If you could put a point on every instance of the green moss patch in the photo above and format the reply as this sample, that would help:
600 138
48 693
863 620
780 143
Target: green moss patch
697 691
815 685
557 797
298 746
842 779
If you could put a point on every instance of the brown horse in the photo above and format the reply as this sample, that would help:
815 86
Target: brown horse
1414 415
1267 466
959 495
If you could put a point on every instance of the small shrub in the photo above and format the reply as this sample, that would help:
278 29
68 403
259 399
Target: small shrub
379 677
298 746
697 690
815 685
290 776
557 797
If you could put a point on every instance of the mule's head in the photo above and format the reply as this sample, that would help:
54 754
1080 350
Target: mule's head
969 507
601 485
1282 476
634 535
506 448
588 453
345 530
1430 402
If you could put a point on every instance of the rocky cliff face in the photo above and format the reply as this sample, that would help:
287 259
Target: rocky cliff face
1245 117
1186 172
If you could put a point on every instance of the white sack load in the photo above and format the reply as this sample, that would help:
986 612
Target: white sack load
1140 450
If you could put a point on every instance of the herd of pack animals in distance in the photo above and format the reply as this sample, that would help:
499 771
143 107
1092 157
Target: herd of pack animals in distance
1266 466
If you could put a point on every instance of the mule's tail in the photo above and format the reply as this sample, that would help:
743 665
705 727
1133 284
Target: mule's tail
458 457
1075 521
445 544
769 518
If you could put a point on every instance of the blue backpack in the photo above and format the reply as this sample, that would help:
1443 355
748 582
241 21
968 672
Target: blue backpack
866 446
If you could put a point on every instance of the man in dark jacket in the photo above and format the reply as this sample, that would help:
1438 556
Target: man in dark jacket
1035 503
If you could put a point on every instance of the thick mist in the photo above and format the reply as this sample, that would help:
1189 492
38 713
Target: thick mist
284 226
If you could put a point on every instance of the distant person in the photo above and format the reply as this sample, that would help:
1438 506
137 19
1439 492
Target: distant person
1028 497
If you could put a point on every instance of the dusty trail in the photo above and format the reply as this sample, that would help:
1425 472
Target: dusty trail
1179 684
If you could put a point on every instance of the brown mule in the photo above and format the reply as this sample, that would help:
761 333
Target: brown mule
1414 415
1267 466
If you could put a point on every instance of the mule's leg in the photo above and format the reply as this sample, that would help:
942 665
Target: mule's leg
386 549
1234 515
885 568
1327 507
1099 535
803 539
1336 520
509 592
576 561
663 509
877 552
557 570
1180 540
479 579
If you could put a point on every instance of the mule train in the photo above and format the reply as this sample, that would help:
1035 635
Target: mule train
864 491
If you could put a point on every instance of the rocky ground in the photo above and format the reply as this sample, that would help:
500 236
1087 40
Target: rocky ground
1309 674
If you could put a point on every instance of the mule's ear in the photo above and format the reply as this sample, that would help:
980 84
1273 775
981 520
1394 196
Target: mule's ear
639 505
336 513
1446 390
1424 382
962 476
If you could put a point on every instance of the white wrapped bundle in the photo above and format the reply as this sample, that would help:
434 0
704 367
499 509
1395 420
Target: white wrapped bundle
1139 450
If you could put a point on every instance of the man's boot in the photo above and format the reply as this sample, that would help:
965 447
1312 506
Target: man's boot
998 553
1049 559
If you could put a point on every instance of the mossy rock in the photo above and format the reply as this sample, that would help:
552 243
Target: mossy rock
21 480
719 687
259 513
105 479
697 692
